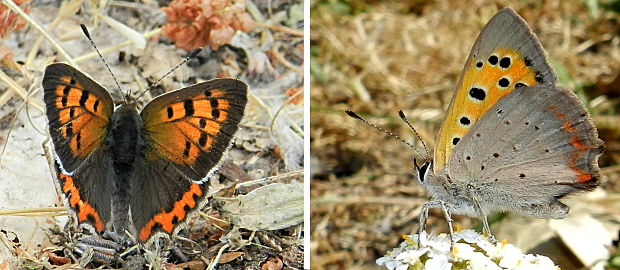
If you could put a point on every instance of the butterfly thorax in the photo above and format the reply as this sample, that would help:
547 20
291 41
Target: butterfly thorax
125 141
454 194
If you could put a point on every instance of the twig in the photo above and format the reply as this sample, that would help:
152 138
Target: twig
37 212
16 88
282 29
283 60
13 7
116 47
293 174
215 260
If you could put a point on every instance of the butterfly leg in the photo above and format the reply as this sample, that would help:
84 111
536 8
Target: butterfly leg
486 229
448 217
423 216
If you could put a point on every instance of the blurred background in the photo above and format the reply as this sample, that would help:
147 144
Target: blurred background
378 57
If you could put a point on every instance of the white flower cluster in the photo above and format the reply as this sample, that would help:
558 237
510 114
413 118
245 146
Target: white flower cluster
471 251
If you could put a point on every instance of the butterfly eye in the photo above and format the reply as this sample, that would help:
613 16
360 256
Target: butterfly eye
422 171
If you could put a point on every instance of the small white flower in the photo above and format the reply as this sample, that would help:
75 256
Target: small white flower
471 251
439 263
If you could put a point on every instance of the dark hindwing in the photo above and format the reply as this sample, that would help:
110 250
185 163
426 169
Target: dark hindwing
78 110
164 197
88 190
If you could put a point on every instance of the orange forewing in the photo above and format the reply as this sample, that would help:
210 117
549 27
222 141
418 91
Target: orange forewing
78 110
506 55
192 127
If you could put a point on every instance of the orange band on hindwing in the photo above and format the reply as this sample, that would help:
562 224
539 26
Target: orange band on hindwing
84 211
167 220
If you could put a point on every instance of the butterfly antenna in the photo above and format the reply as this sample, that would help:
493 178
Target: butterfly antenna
192 55
356 116
402 116
101 56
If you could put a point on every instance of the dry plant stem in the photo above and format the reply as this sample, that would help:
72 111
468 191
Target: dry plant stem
66 9
55 44
14 87
283 61
207 217
292 123
116 47
36 212
253 10
282 177
215 260
134 36
282 29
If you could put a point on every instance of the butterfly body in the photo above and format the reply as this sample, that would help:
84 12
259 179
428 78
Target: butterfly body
513 138
125 169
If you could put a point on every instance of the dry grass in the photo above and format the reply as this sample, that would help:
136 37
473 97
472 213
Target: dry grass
387 56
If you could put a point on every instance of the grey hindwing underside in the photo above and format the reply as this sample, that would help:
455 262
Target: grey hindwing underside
535 145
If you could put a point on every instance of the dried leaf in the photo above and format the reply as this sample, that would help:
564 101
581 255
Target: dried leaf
272 263
230 256
271 207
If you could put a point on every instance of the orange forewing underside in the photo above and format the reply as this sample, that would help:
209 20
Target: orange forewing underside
487 78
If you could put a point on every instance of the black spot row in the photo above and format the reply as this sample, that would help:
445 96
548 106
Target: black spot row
78 141
494 60
203 139
538 77
66 90
84 98
504 82
214 111
477 93
465 121
505 62
455 140
96 105
188 146
69 129
188 106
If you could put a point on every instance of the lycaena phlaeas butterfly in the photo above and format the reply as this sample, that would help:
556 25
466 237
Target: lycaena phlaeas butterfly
513 139
142 171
